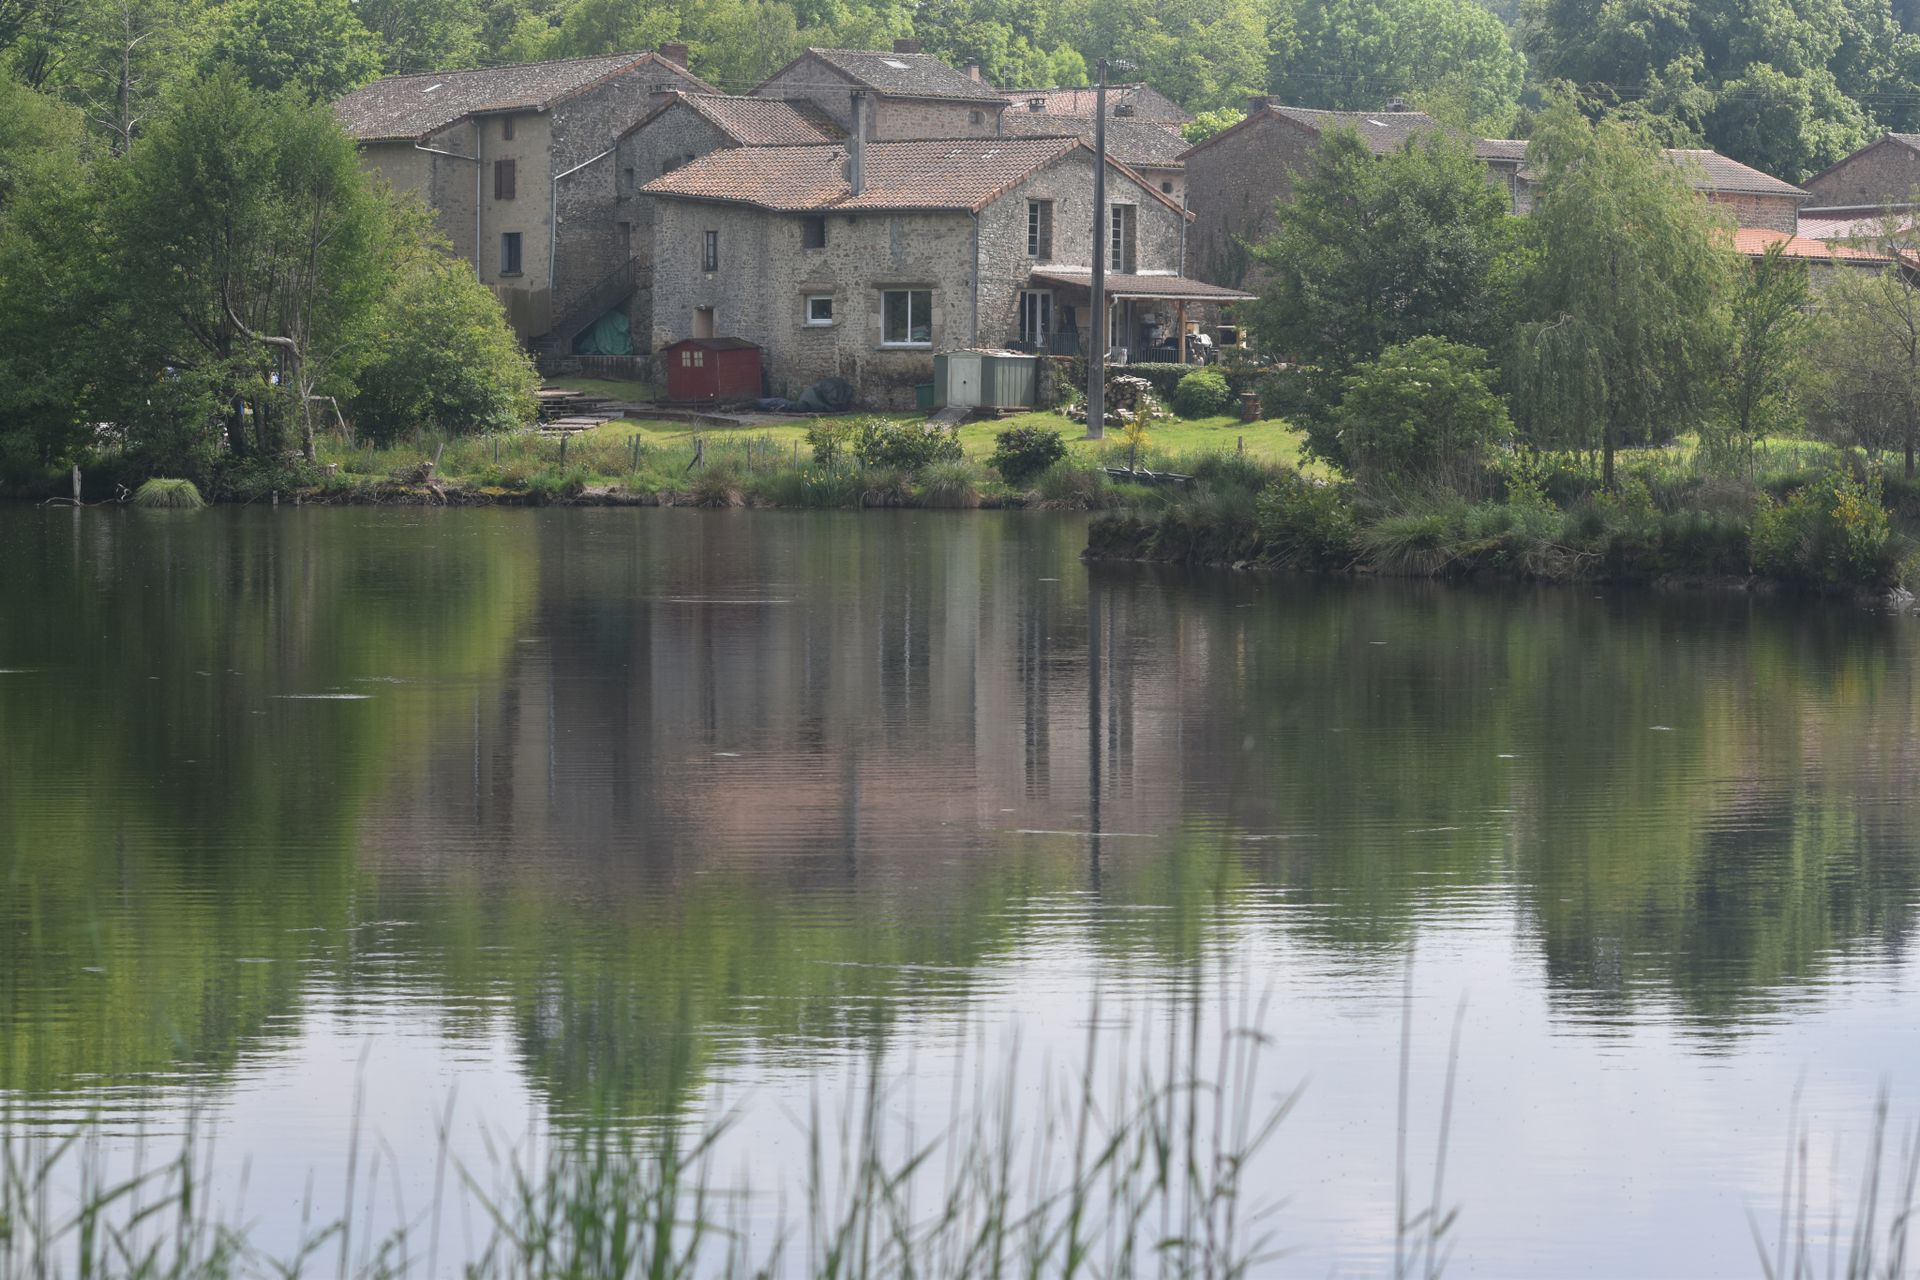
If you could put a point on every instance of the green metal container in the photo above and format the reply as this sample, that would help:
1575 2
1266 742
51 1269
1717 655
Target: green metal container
923 395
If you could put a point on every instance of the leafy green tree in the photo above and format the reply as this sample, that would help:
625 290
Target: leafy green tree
441 357
319 47
1356 54
252 244
1423 415
1621 296
422 35
1373 251
1779 84
1864 362
1765 356
1204 54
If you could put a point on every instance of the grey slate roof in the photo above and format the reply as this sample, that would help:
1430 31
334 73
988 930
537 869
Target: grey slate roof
764 122
413 106
962 174
908 75
1722 173
1140 144
1382 131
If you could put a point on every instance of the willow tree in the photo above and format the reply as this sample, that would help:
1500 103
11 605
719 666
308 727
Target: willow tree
1622 330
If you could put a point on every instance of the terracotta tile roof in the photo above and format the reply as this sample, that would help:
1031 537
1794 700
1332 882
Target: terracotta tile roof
961 174
1723 173
906 75
1752 242
413 106
1170 288
1141 144
1146 102
762 122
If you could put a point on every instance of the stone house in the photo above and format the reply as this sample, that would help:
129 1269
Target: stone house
1151 150
906 93
1881 174
507 157
1235 178
1137 101
860 260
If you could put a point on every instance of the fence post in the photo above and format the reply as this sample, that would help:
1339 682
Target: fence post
563 448
76 482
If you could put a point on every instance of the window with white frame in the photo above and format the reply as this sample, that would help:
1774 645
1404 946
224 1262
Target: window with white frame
1120 239
1040 230
906 318
1036 317
819 309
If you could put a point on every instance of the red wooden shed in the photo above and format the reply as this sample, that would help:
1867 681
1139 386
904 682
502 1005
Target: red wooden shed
702 370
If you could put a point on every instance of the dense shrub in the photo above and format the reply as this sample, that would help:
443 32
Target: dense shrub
1020 454
949 484
830 440
160 494
1831 534
1202 394
1423 413
1075 488
909 446
1307 522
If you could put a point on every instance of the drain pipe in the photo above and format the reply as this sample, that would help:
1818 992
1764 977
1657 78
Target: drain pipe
975 340
473 160
553 215
857 147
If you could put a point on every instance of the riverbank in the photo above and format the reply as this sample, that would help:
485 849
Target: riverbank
1827 530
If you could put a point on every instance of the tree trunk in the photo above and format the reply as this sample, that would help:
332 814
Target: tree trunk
237 427
1606 456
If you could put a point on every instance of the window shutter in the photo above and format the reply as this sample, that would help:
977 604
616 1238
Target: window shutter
503 179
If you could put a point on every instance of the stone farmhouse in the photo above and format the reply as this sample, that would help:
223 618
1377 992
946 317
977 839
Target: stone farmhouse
861 259
1882 174
507 158
1235 178
906 93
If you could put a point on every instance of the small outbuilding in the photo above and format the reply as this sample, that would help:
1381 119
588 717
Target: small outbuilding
704 370
985 379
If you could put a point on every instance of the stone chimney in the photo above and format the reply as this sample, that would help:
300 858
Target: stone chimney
857 146
1257 103
906 45
973 71
674 52
1397 103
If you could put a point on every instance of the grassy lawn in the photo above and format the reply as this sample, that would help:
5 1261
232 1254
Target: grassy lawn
1272 441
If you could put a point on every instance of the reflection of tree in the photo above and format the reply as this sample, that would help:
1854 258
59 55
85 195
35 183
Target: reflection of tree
163 866
666 786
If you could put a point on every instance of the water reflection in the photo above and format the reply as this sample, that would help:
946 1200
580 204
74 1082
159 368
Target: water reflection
624 793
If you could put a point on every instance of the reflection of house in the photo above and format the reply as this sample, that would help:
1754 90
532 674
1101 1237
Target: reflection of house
1235 178
514 162
860 260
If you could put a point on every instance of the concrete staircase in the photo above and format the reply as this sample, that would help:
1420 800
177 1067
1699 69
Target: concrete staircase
563 412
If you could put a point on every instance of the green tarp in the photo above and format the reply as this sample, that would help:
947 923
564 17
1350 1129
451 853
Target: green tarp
608 336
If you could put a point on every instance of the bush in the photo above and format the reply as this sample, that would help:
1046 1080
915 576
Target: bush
1307 522
159 494
830 441
1074 488
1832 534
949 484
716 486
1163 375
909 446
1021 454
1202 394
1423 412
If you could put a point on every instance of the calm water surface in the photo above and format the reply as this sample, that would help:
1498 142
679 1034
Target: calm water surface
500 815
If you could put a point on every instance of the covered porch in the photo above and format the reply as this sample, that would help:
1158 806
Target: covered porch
1147 315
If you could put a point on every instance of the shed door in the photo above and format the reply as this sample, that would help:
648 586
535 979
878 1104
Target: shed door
963 381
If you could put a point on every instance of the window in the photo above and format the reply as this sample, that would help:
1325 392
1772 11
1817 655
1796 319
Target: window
703 322
506 128
510 253
710 252
819 308
906 318
1036 318
813 232
1120 239
974 117
1040 230
503 177
693 359
626 175
1166 188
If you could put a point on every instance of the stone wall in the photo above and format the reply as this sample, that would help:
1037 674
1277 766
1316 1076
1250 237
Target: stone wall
1774 213
1888 172
670 140
1232 186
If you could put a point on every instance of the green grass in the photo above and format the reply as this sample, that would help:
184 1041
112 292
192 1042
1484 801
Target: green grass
159 494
